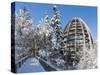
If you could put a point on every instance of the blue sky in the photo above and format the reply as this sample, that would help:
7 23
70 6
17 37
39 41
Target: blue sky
87 13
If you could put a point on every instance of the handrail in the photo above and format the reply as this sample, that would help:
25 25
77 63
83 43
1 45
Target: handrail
50 65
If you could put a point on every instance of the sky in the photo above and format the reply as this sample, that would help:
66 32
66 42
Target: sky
87 13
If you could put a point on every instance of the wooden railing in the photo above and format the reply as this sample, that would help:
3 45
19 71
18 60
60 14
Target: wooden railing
19 62
48 66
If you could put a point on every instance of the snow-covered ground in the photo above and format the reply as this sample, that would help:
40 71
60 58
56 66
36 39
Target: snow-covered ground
31 65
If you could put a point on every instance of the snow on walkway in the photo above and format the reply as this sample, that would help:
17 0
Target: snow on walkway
31 65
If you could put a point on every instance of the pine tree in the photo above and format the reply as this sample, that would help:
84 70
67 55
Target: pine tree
47 31
57 52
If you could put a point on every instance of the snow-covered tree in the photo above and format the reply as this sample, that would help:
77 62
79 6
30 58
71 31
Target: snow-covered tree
90 61
57 31
23 32
45 34
47 30
56 52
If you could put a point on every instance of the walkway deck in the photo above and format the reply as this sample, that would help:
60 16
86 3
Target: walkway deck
31 65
